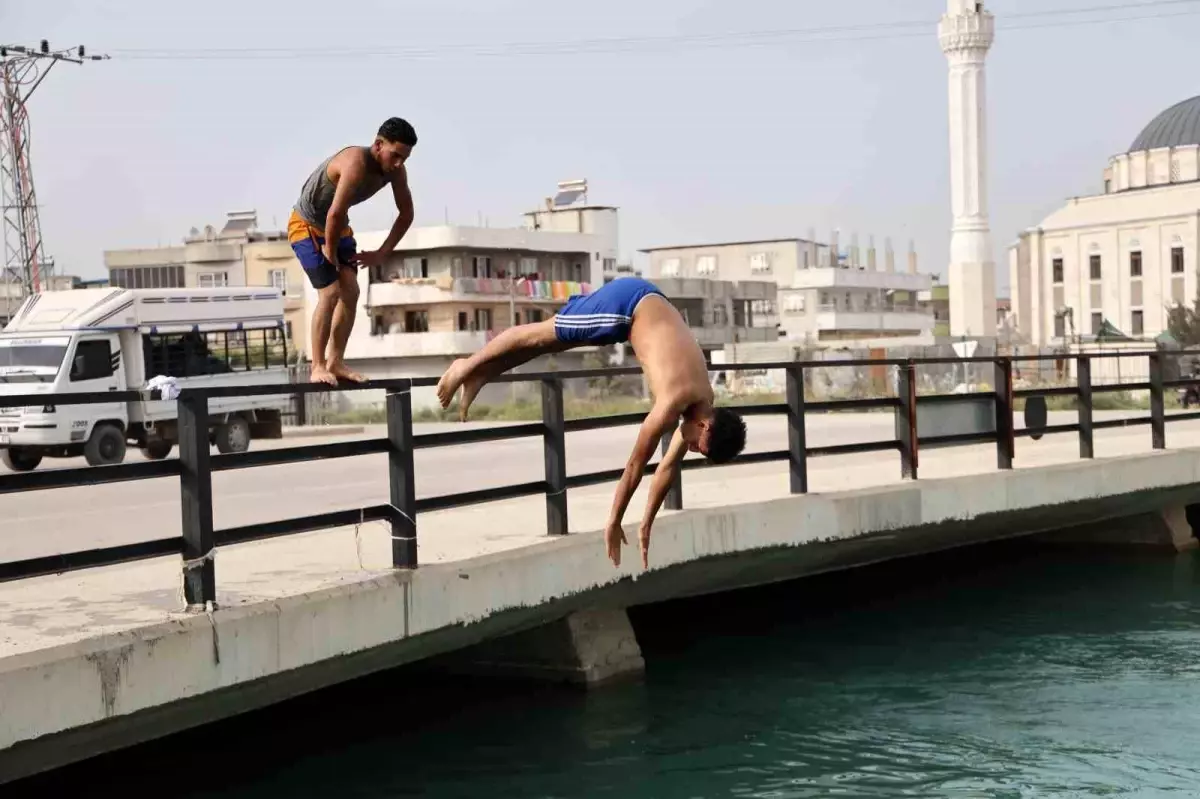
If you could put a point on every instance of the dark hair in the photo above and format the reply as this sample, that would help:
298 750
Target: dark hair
397 130
726 436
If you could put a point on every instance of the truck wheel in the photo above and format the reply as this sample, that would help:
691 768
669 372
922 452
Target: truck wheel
106 446
157 450
19 459
233 436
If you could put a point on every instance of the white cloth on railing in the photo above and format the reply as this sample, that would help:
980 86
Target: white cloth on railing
169 386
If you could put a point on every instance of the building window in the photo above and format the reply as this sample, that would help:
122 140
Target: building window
278 279
1137 327
1094 266
760 262
416 321
1057 269
1135 264
706 265
483 318
481 266
462 321
1060 326
534 315
610 264
1177 260
212 280
670 267
1097 322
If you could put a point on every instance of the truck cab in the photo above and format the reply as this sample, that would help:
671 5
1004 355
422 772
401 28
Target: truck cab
102 340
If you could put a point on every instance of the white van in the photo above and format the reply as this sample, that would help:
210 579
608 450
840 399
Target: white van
113 339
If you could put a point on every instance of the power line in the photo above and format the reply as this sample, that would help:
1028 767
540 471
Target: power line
22 70
839 33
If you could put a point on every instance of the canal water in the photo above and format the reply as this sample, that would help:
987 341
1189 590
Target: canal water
1003 671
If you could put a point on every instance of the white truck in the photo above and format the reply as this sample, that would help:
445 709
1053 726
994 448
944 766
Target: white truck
113 339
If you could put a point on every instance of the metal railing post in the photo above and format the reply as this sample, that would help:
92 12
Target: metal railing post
1083 383
554 445
797 435
1158 422
195 501
906 420
401 479
674 498
1005 435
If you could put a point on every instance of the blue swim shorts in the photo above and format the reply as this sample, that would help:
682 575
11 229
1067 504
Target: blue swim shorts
605 316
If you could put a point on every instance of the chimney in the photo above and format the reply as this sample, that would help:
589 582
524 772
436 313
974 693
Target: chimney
889 256
871 253
912 257
854 262
833 248
813 251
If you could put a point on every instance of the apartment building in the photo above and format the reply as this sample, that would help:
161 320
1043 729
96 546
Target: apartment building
239 254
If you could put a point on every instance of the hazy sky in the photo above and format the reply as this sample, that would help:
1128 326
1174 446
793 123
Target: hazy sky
701 136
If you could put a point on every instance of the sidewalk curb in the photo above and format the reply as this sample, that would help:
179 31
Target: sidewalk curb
317 431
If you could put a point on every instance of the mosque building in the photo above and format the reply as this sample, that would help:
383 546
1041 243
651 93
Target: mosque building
1112 264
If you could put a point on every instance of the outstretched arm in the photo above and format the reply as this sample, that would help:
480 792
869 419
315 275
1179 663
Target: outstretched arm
657 421
664 475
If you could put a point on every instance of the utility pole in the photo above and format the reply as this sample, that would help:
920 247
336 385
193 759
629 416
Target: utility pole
25 269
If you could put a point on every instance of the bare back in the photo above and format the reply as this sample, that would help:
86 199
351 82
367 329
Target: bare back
671 359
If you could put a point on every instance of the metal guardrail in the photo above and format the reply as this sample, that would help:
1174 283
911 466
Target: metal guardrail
195 465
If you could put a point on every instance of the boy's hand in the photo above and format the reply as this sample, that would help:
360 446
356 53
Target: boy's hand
644 540
371 258
614 537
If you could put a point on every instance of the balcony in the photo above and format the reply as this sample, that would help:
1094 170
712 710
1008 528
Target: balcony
827 278
886 321
715 337
432 290
415 345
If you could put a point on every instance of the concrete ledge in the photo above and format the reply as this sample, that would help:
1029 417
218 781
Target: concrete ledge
72 701
318 431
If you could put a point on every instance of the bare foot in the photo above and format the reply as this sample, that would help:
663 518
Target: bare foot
447 387
470 389
320 374
343 372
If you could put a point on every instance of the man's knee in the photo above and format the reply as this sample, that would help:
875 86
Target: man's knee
347 284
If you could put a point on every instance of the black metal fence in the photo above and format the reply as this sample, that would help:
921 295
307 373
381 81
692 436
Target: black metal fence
196 465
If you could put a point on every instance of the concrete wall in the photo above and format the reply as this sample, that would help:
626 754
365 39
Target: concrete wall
67 702
731 261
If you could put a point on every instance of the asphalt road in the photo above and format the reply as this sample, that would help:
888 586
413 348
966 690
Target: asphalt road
45 522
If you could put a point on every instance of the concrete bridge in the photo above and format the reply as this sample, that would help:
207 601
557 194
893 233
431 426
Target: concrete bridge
96 657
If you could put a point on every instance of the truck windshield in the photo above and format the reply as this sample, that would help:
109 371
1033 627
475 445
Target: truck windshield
31 359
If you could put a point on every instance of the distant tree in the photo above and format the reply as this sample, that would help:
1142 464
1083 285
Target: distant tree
1183 323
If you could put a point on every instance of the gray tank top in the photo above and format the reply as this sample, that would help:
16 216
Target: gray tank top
317 194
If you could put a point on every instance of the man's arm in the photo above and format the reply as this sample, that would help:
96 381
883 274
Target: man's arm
404 204
656 422
350 172
664 475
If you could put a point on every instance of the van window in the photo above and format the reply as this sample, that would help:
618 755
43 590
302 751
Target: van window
197 354
93 360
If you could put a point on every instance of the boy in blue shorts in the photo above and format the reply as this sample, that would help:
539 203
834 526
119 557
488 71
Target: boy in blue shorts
634 310
347 178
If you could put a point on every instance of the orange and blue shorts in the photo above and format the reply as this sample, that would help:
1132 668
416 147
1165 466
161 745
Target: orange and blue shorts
308 242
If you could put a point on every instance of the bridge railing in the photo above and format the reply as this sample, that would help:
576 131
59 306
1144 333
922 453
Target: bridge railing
196 465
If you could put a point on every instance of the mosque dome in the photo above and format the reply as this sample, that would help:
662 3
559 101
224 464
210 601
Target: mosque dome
1178 126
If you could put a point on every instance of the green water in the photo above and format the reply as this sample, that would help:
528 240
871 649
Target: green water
1007 672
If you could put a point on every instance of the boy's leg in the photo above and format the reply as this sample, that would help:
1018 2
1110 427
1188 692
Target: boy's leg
324 279
506 351
343 322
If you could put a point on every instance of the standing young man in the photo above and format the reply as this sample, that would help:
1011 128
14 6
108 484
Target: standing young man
330 260
634 310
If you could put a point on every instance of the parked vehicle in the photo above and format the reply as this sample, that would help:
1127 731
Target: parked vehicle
113 339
